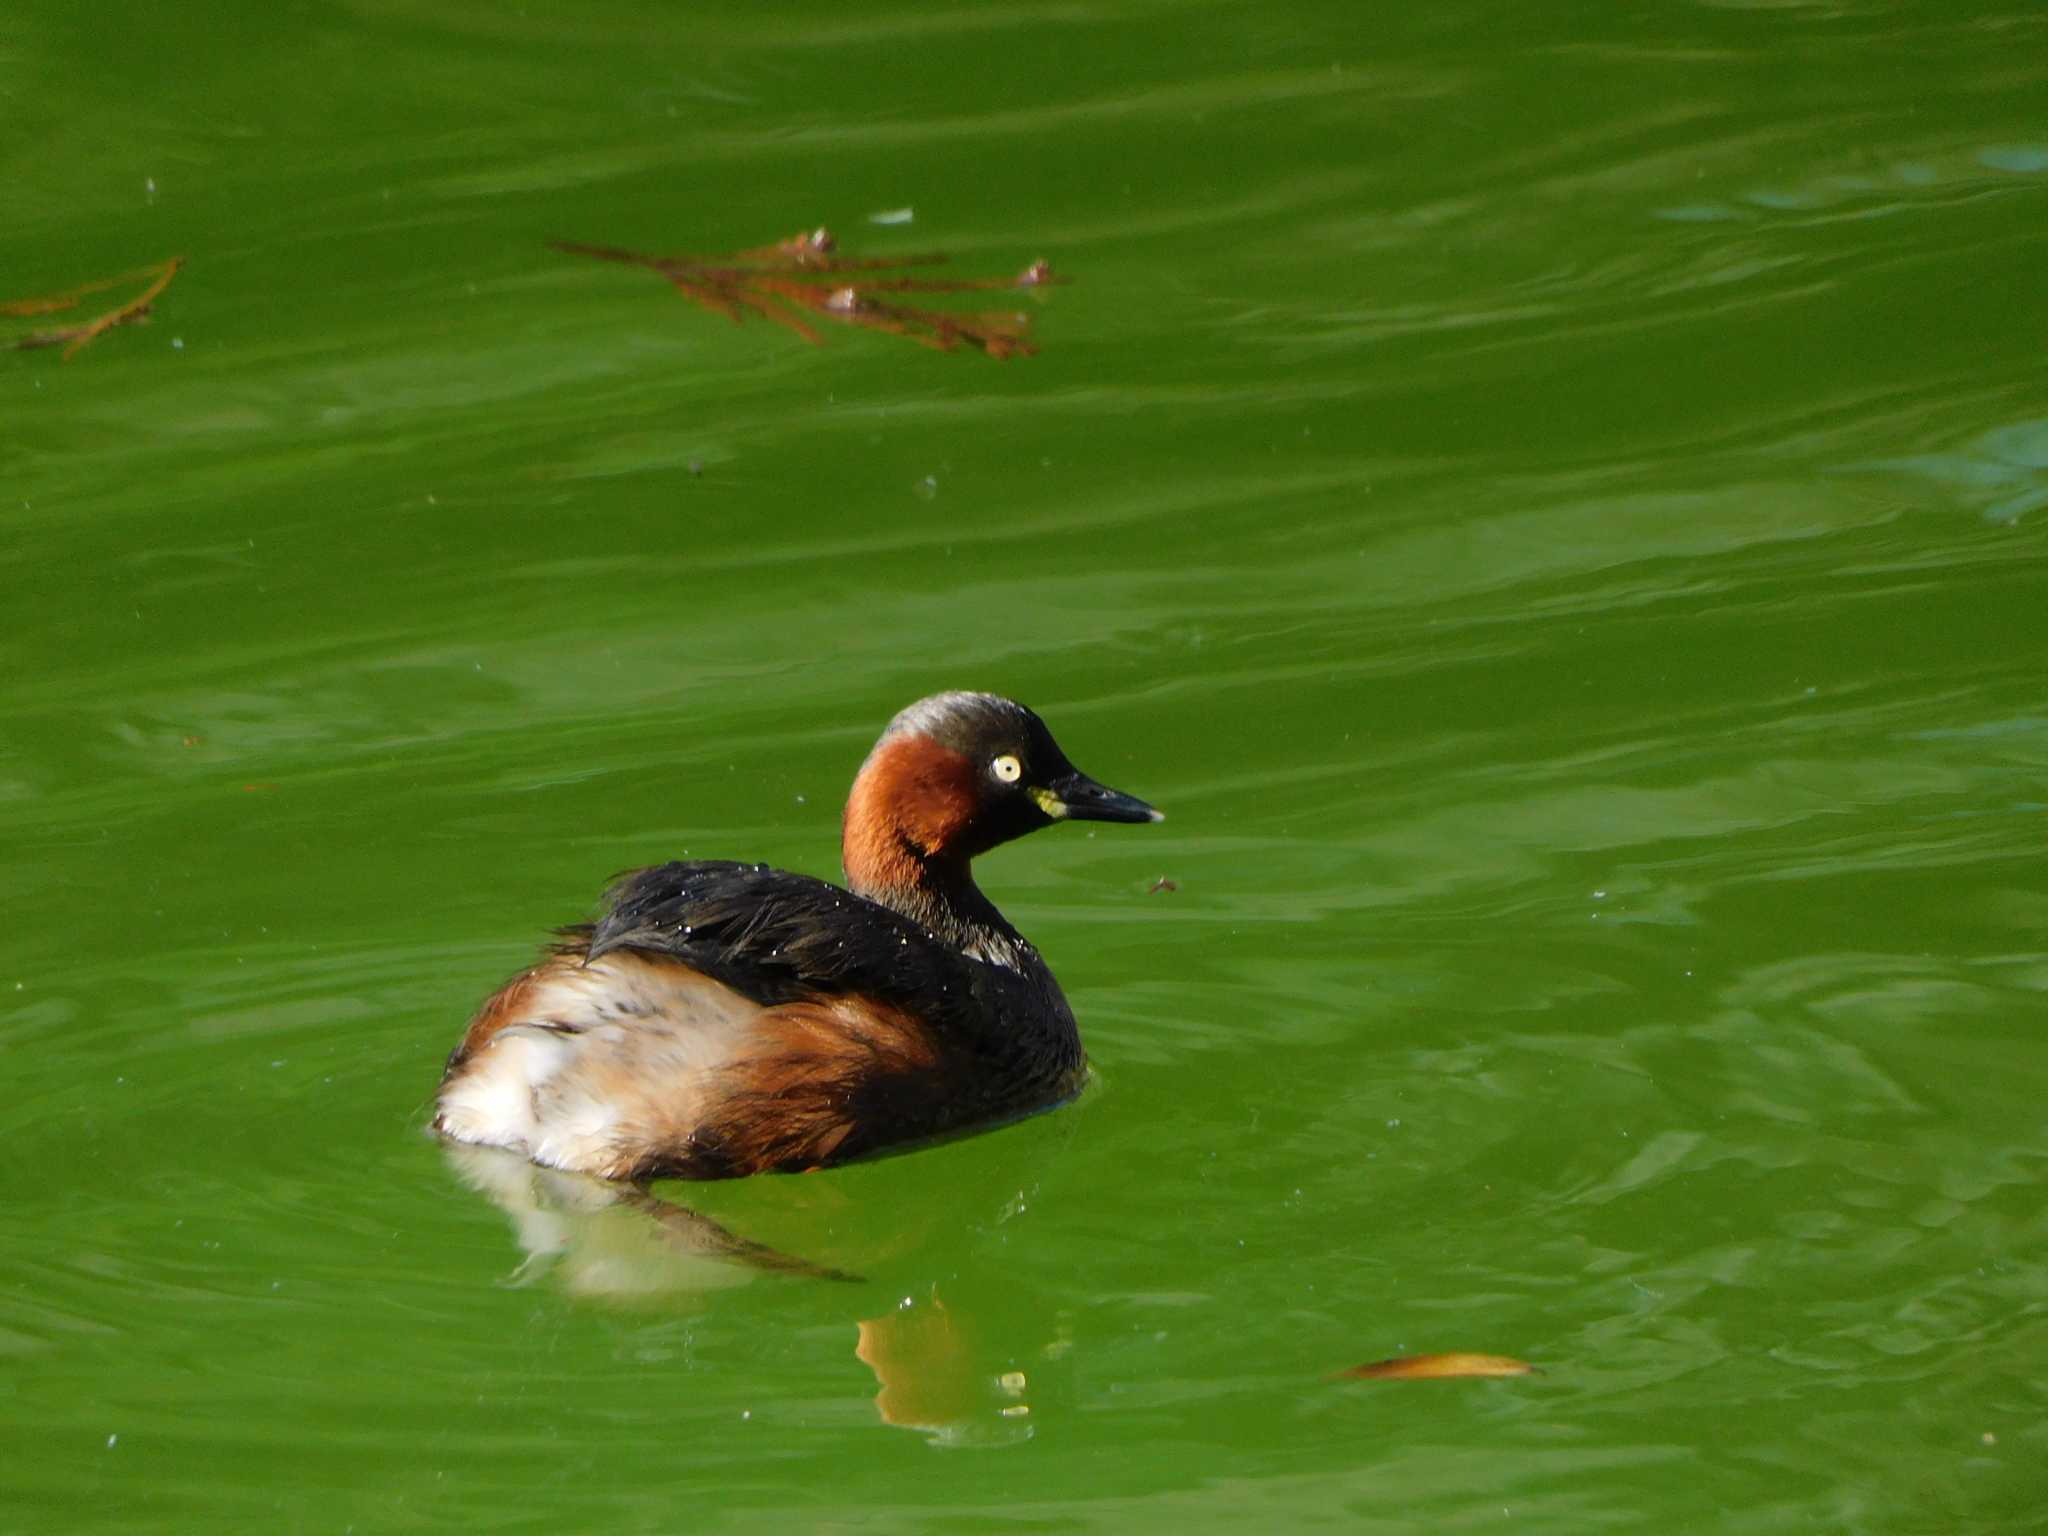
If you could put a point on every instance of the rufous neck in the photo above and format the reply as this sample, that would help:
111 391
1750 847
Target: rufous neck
904 826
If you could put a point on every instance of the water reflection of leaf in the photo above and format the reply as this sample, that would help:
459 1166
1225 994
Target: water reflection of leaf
804 275
74 337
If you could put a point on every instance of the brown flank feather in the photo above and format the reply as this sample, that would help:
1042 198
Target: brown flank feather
792 1098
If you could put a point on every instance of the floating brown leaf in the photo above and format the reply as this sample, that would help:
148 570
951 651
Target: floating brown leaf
71 338
1446 1367
804 275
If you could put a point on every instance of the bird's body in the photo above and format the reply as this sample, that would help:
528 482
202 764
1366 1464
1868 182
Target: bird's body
723 1019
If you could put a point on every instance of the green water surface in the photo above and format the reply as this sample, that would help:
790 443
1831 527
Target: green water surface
1553 501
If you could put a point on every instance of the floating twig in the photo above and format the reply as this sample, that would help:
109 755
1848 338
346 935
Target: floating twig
73 338
806 275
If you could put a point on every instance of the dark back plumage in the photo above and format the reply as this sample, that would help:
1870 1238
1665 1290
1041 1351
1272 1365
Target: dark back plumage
777 937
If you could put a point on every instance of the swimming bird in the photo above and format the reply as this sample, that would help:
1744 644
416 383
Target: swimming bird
722 1019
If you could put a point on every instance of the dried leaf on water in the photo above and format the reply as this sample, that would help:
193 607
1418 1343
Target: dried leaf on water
72 338
1444 1367
805 275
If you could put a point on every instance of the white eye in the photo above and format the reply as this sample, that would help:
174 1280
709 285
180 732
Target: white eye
1007 768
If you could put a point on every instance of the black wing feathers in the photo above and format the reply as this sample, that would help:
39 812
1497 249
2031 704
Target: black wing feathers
777 937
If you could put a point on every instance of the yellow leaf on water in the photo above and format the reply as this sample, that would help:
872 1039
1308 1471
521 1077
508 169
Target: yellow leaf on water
1445 1367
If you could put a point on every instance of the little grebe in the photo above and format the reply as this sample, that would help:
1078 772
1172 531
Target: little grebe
724 1019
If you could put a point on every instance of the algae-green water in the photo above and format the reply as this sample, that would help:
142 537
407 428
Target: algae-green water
1552 501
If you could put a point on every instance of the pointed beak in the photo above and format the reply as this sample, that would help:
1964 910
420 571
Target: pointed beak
1077 797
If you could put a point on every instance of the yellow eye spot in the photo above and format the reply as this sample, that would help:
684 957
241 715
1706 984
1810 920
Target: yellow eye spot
1007 768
